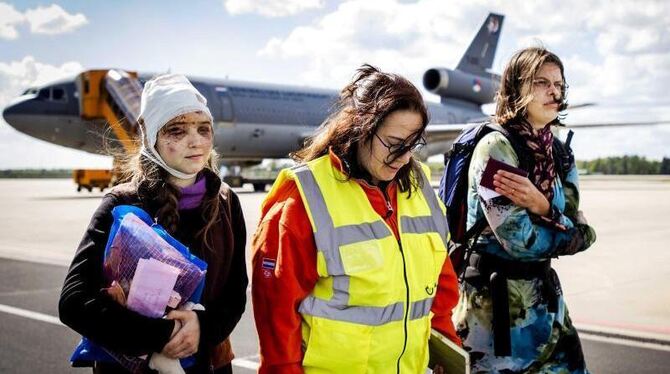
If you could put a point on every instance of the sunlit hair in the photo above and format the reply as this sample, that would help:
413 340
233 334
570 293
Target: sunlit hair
152 183
362 107
516 84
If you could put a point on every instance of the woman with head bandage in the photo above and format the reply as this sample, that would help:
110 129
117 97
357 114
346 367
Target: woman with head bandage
174 178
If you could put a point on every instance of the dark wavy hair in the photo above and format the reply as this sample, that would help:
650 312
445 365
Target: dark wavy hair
362 107
516 84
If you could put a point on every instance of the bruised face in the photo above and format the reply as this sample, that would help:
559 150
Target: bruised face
392 146
547 87
185 142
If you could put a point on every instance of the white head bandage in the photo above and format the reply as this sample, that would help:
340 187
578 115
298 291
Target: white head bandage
164 98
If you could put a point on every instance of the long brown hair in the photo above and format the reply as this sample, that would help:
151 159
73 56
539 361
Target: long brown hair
516 83
359 112
153 186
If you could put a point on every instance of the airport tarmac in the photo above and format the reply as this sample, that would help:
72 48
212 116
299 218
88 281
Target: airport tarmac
618 292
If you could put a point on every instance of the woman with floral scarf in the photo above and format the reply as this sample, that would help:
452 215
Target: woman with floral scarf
511 316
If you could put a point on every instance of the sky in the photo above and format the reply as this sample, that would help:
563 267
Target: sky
616 53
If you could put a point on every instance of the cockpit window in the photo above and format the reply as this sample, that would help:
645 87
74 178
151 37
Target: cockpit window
52 94
58 94
30 91
44 94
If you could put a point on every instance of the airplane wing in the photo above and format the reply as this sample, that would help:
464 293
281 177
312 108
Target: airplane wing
617 124
441 132
447 132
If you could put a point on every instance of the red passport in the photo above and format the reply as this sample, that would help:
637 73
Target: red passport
492 167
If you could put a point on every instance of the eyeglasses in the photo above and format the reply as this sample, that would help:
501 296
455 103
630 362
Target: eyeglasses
397 150
545 85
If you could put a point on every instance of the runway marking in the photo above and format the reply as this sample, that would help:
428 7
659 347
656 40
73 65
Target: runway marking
626 342
246 362
30 314
29 292
658 332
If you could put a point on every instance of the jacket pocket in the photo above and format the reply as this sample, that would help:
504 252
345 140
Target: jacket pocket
337 347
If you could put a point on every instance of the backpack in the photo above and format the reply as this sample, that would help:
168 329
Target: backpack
454 183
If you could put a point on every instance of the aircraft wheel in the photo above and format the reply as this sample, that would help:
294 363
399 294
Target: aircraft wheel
259 187
79 188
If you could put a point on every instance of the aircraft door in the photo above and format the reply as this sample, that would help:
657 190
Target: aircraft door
227 114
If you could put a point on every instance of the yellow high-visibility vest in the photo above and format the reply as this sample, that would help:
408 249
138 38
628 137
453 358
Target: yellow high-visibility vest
370 309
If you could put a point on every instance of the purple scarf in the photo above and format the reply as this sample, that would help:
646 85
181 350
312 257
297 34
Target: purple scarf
540 142
191 196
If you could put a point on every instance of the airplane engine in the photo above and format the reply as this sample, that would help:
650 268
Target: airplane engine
453 84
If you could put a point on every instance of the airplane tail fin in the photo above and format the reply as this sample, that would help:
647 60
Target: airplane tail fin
479 55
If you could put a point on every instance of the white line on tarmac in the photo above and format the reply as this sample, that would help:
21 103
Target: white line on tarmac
652 335
243 362
629 343
246 362
30 314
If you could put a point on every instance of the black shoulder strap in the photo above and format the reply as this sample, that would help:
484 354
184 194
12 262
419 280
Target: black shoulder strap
564 158
475 230
518 145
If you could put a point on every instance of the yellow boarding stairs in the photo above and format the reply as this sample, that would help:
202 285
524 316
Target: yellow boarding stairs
114 96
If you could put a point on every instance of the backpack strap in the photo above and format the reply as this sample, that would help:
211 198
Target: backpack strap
475 230
564 158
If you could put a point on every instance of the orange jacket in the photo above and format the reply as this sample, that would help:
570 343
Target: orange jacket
284 273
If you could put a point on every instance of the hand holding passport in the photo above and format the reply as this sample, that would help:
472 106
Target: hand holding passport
492 167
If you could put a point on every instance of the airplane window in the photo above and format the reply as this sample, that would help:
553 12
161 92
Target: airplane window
43 94
58 94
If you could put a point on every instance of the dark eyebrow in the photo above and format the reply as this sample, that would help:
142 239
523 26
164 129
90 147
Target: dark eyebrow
549 80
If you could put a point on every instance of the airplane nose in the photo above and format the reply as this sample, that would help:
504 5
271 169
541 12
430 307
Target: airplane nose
14 115
9 111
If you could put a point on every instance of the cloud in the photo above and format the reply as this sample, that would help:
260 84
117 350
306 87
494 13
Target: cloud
395 36
49 20
614 52
16 76
22 151
9 19
630 58
271 8
53 20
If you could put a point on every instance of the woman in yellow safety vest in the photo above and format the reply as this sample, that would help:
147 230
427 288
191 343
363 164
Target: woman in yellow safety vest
350 269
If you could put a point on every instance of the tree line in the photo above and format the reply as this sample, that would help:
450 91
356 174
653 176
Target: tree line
608 165
625 165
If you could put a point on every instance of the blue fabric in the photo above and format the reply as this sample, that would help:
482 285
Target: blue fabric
87 352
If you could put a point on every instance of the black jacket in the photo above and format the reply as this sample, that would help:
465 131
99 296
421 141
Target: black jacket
92 313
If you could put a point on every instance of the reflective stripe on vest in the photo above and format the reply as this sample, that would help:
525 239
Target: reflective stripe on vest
329 239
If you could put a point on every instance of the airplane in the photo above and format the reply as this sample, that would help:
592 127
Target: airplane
256 121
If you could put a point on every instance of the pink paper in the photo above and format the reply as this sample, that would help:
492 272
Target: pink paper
152 287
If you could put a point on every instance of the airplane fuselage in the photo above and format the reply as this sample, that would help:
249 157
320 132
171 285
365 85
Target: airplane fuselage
252 121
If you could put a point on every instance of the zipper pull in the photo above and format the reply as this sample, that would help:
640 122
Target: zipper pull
389 209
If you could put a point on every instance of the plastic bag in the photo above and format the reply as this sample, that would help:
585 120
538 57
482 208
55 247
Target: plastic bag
135 239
